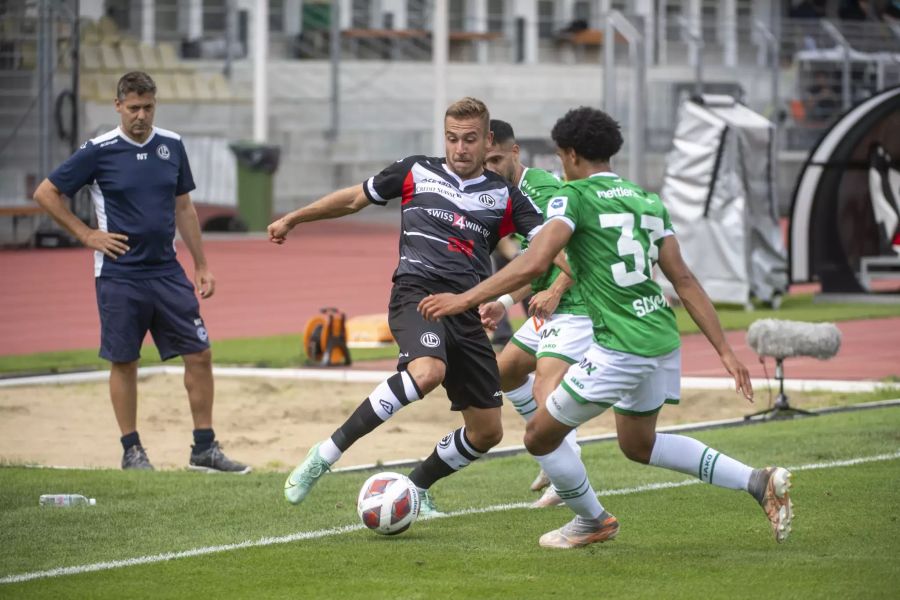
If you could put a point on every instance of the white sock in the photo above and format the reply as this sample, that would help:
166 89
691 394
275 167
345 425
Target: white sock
522 398
570 479
572 440
329 451
392 394
687 455
456 450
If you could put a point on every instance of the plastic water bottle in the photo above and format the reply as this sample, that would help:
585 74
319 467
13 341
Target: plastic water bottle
63 500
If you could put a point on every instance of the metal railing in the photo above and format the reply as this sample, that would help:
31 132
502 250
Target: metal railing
38 108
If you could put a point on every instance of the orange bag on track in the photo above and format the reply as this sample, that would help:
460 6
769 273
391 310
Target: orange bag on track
325 339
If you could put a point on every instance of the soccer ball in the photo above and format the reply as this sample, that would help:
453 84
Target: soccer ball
388 503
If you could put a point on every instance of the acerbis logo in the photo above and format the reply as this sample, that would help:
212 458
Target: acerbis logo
487 200
162 151
430 340
387 406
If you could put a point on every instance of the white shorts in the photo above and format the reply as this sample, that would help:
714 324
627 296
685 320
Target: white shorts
562 336
631 384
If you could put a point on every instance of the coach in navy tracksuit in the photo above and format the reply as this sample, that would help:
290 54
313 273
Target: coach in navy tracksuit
140 183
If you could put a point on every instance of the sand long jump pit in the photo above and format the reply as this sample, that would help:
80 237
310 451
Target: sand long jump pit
269 422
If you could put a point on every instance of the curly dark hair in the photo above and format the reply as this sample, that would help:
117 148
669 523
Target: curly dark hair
592 133
503 132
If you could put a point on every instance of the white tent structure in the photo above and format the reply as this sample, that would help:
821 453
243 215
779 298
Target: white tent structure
720 193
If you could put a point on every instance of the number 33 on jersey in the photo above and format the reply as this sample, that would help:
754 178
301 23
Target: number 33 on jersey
617 231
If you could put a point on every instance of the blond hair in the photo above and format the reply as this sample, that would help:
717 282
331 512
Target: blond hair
470 108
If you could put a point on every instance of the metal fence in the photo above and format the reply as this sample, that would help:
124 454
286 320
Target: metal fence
38 106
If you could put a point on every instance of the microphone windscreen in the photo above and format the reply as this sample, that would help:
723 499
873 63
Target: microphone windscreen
783 339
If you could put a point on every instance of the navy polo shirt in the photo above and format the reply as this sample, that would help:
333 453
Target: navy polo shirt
133 188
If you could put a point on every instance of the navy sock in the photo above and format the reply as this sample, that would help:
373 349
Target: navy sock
129 440
203 439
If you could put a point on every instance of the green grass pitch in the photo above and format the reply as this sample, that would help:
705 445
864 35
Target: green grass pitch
691 541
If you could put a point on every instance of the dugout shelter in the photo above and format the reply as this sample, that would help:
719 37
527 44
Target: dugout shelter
846 204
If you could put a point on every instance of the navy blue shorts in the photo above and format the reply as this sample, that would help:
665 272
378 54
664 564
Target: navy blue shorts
164 306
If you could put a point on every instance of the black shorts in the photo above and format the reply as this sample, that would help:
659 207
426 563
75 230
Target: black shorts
472 378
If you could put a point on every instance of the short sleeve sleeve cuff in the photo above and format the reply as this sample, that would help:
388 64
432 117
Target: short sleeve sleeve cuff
371 194
564 219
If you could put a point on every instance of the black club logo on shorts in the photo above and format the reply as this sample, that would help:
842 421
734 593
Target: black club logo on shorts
430 340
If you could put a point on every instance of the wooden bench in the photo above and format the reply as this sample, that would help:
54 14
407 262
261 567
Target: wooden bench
585 37
584 40
19 211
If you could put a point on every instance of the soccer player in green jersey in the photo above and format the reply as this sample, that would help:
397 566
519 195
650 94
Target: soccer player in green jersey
558 331
614 232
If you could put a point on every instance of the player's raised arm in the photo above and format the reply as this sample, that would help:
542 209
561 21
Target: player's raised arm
337 204
548 242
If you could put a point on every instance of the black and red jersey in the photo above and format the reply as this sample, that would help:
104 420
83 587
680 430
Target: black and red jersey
449 226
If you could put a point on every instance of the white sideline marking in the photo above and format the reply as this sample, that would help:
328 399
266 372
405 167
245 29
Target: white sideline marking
361 376
310 535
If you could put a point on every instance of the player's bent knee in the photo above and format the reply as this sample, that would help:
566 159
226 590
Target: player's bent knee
485 436
636 450
536 443
428 373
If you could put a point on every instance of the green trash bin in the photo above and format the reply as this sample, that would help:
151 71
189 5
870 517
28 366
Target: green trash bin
256 165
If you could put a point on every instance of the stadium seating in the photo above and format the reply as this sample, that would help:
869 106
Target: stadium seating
149 58
105 54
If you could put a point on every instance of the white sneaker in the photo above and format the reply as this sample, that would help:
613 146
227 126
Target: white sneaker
550 498
540 482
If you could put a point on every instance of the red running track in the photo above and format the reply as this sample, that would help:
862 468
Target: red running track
262 289
48 299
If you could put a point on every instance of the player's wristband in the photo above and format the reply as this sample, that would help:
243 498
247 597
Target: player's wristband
506 300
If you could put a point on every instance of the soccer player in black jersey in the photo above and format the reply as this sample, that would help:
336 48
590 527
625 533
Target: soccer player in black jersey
453 214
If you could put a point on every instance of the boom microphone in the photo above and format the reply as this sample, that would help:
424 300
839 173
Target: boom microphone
783 339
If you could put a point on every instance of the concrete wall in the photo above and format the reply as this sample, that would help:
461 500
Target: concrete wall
385 113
